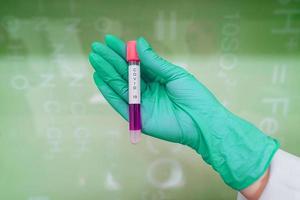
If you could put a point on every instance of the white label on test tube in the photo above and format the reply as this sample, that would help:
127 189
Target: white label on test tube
134 84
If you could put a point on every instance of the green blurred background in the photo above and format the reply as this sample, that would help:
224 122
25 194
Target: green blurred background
60 140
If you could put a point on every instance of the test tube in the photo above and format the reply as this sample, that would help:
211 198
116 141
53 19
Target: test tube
134 93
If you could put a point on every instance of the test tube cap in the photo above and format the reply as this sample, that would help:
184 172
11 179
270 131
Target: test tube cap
131 52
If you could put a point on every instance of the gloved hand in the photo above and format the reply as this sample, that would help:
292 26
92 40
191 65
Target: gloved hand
176 107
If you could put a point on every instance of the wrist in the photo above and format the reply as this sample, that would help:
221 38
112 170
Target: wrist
254 191
239 152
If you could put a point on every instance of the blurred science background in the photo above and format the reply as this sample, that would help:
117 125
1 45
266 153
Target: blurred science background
60 139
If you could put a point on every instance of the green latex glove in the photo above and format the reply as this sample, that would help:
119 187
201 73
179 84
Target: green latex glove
176 107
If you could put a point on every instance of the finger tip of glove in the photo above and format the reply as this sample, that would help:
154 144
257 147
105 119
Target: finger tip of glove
142 44
96 46
110 39
142 40
94 58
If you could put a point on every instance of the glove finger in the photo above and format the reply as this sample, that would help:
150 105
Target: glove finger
112 57
157 64
109 75
112 97
119 47
115 60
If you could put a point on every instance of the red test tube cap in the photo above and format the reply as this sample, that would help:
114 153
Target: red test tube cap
131 52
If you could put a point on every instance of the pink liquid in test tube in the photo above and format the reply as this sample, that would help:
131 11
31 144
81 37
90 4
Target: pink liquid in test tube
134 94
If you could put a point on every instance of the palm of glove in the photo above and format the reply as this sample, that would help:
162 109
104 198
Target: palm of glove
171 97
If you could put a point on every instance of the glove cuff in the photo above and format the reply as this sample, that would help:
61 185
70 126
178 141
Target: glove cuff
237 150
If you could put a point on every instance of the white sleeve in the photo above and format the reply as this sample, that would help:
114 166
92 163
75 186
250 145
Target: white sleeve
284 180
